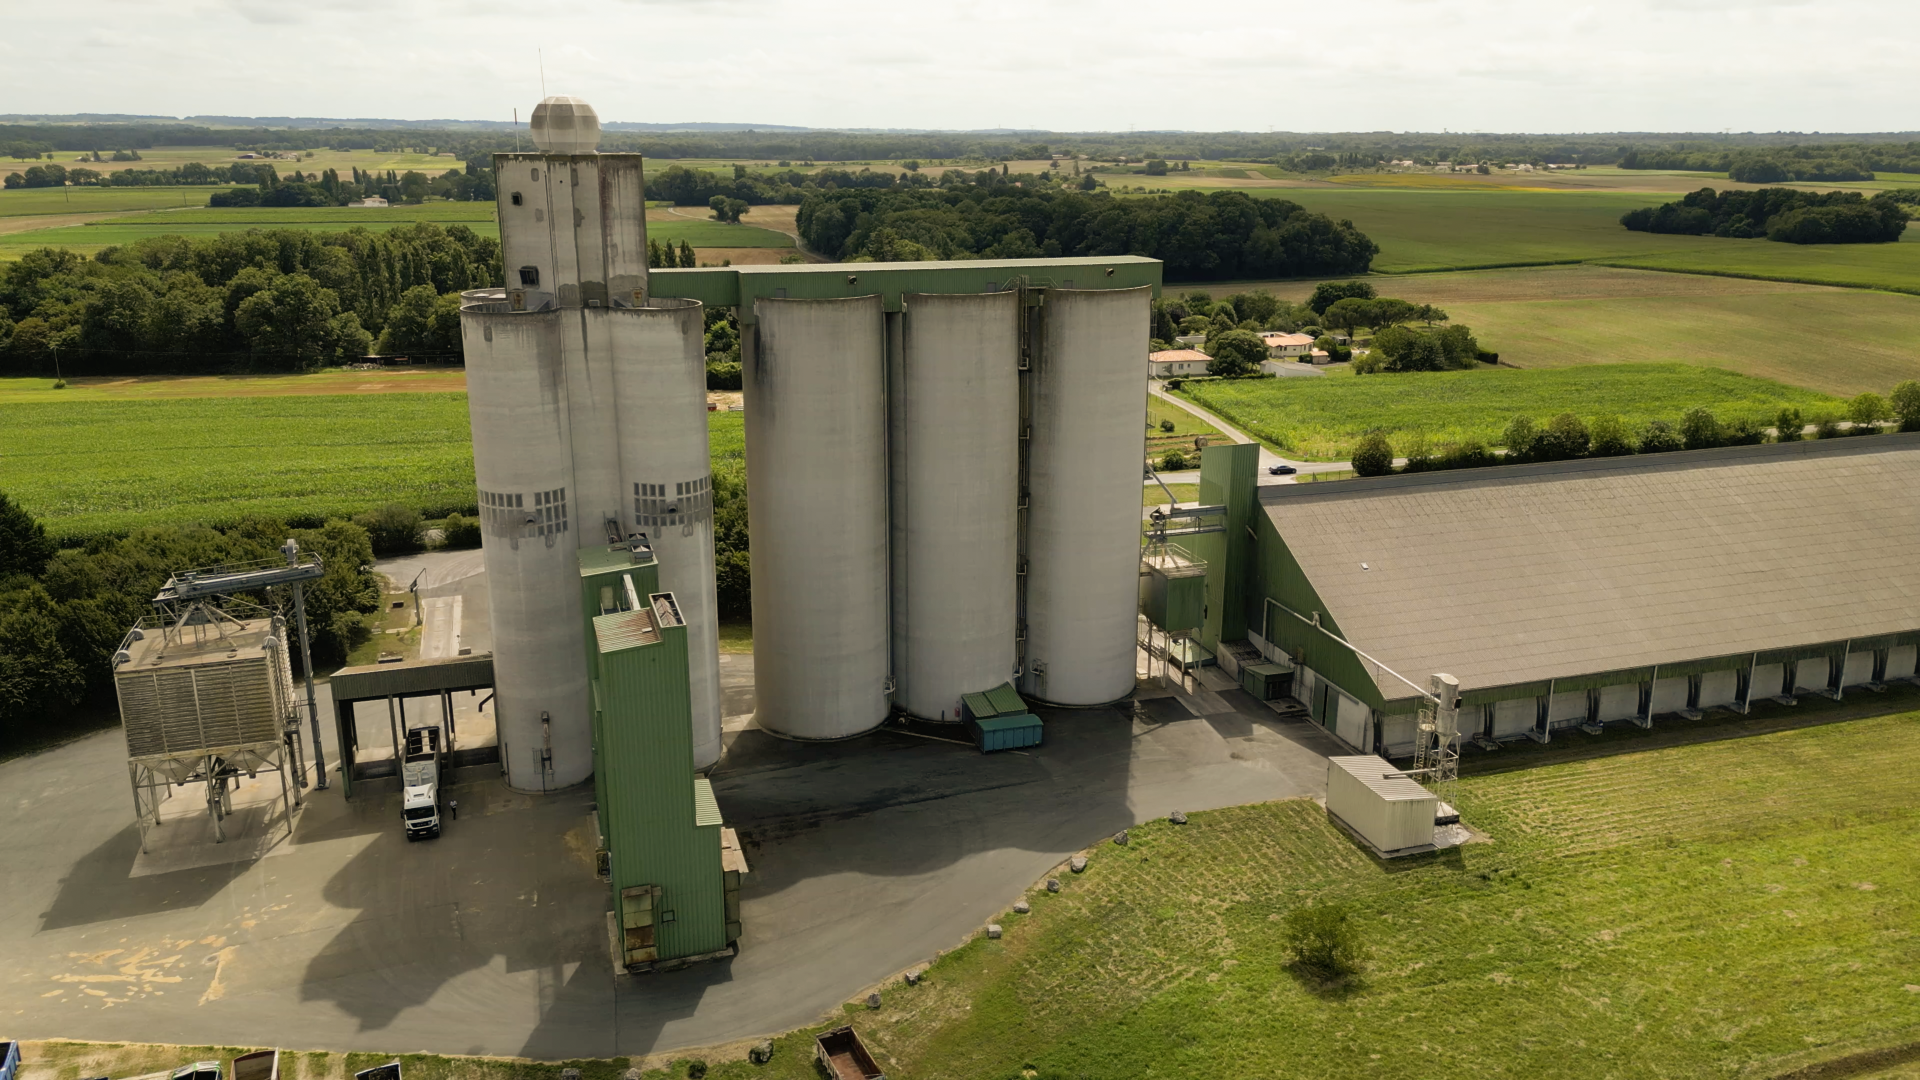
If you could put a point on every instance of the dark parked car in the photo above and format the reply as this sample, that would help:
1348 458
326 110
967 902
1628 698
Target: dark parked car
1282 470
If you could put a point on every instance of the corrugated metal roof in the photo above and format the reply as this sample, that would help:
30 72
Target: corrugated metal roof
625 629
1381 777
1006 699
1531 572
706 808
412 677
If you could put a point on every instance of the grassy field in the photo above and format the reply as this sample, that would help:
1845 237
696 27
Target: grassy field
91 236
109 465
172 157
1321 419
113 388
37 202
1154 495
1838 341
1421 231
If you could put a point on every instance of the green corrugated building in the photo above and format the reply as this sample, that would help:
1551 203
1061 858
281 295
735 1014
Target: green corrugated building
673 869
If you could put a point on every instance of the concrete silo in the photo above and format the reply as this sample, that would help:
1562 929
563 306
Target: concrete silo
579 391
955 462
660 393
1088 401
523 464
815 378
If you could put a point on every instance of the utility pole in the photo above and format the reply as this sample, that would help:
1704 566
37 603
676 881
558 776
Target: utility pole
292 551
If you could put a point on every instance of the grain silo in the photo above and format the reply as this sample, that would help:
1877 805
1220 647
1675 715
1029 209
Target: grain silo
580 392
1088 403
815 378
659 376
954 455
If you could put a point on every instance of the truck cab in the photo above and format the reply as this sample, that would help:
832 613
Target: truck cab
420 784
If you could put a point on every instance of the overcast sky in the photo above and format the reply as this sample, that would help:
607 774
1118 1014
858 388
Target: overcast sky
1062 65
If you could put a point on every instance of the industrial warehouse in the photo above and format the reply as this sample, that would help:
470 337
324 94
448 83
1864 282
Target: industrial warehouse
1575 593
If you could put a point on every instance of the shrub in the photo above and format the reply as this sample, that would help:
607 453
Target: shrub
1174 384
1905 402
1173 461
1826 426
461 532
1746 431
1787 425
1373 456
1868 409
1166 426
1566 437
1371 364
1699 430
59 384
393 528
1323 940
723 376
1487 356
349 631
1660 438
1609 437
1470 454
1419 454
1519 438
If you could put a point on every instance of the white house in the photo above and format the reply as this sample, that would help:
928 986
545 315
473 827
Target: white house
369 201
1173 363
1285 345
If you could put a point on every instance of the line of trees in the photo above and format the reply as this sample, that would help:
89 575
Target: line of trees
282 299
1813 163
63 612
1218 236
1567 436
1783 214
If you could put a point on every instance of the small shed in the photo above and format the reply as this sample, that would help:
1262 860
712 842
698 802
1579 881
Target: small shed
1380 804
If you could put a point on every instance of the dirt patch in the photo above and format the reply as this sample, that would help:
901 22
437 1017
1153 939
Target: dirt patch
384 381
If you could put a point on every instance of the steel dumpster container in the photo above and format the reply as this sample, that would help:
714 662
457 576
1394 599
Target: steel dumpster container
1006 732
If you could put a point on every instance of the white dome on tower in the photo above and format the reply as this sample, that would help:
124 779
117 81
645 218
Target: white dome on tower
565 125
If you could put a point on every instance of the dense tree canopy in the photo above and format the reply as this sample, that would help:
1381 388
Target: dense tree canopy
1784 214
265 300
1223 235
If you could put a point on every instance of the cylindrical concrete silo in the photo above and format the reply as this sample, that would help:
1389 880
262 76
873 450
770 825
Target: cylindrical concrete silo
522 460
816 454
1088 400
956 478
660 394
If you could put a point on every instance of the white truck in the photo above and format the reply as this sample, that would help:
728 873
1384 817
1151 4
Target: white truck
420 783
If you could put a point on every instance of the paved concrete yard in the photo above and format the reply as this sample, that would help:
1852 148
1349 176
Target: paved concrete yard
867 857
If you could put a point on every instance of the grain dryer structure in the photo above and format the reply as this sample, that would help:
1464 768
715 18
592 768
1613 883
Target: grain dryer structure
944 463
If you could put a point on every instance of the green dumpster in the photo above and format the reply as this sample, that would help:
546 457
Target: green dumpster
1006 732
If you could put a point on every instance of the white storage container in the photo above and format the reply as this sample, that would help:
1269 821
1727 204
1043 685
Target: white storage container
1378 801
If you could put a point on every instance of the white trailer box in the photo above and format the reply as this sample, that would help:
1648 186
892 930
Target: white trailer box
1379 802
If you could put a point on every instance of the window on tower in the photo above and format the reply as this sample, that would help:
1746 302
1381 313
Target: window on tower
529 275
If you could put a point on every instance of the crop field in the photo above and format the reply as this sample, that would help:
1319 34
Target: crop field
1422 231
1322 419
1837 341
39 202
172 157
146 388
92 236
110 465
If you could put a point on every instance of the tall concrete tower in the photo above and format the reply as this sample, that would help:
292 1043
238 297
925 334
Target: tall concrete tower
588 402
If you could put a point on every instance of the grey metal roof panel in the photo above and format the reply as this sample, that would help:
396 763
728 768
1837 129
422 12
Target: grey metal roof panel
1379 775
1519 573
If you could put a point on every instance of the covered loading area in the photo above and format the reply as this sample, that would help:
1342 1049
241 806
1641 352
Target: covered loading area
396 684
1592 592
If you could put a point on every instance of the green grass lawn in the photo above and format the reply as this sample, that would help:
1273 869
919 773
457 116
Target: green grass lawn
37 202
1423 231
1321 419
87 467
1839 341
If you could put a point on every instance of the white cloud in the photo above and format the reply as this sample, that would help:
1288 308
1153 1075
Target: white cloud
1490 65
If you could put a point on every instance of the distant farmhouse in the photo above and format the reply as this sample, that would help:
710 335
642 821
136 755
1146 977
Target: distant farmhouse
1177 362
1582 593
